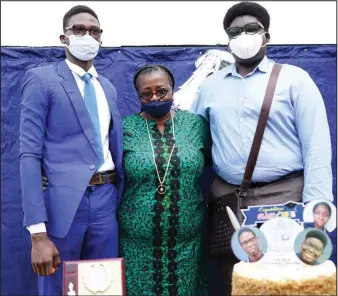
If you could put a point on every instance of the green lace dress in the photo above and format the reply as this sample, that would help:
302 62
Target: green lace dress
161 235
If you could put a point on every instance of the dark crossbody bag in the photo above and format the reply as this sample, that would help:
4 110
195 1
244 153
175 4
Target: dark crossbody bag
220 229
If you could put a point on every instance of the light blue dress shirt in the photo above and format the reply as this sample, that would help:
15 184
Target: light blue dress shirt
296 137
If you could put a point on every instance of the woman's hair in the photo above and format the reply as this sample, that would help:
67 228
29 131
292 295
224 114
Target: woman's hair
322 203
147 69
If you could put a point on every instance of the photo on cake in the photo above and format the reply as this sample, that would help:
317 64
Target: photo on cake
313 246
320 214
249 244
295 261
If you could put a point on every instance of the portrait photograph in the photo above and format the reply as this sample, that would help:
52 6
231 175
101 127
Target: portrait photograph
313 246
249 244
320 214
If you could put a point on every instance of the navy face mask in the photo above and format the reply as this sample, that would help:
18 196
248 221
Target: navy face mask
157 109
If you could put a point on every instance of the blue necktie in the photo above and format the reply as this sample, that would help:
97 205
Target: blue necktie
90 101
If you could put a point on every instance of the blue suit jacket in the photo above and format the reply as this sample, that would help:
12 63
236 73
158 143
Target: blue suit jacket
56 135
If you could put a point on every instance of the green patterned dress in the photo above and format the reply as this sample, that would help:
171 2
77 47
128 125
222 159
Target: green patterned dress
161 235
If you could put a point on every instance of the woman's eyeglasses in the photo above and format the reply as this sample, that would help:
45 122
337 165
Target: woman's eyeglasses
148 94
250 29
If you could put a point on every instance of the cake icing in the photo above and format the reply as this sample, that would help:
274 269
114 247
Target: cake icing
260 278
260 270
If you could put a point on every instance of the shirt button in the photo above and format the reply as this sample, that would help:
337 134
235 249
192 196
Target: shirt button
241 119
241 99
92 167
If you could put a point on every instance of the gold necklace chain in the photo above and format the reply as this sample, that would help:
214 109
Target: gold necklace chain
161 188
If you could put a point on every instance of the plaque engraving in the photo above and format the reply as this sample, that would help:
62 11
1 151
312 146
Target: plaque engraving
98 278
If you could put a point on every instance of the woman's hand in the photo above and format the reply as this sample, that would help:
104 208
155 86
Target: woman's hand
44 183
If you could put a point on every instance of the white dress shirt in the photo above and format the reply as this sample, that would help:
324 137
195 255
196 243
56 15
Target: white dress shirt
104 117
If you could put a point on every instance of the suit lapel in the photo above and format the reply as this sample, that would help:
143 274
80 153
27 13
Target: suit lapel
71 88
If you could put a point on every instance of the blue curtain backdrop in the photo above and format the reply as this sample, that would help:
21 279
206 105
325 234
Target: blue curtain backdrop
119 66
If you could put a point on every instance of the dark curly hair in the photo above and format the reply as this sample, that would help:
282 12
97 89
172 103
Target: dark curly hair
247 8
153 68
318 234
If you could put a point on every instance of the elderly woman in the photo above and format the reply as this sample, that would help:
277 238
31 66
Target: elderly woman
161 213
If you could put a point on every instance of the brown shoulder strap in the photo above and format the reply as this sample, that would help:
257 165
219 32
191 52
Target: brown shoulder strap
263 117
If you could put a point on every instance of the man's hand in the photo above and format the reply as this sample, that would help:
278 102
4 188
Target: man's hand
45 256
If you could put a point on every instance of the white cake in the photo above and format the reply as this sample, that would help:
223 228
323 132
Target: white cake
261 278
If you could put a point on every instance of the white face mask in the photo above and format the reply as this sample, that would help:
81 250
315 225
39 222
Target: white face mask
246 46
84 48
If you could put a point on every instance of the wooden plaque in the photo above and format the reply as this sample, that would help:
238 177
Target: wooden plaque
94 277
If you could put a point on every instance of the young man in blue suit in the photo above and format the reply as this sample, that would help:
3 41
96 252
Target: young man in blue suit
71 132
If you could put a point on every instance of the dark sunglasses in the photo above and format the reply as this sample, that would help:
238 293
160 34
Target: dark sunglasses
80 30
250 29
148 94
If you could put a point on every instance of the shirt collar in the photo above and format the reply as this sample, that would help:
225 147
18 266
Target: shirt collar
248 259
263 66
79 71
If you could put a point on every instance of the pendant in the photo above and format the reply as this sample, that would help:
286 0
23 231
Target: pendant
161 189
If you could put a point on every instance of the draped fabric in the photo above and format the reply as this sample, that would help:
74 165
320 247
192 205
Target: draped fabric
119 66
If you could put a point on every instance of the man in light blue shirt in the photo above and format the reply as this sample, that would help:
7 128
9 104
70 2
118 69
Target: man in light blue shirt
297 134
294 162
